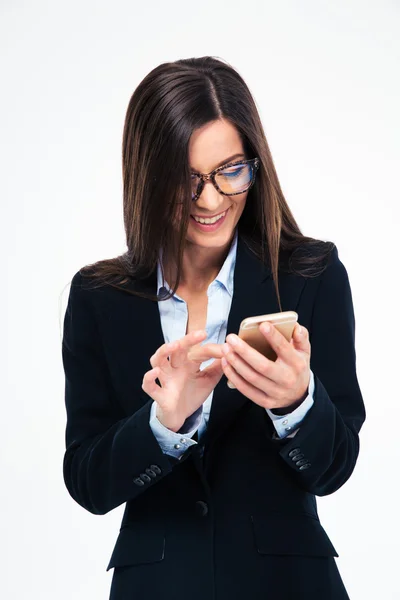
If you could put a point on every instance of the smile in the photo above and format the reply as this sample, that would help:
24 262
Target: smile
209 221
210 224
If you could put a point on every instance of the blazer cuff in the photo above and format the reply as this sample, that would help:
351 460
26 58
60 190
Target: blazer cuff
175 443
288 425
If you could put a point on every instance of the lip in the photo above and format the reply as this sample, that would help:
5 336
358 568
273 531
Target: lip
213 227
210 216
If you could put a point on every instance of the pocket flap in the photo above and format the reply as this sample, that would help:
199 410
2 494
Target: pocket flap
291 534
135 546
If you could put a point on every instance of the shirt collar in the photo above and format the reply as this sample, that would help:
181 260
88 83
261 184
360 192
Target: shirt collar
224 277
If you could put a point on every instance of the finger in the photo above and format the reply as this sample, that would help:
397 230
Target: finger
180 355
250 375
301 339
202 353
244 387
193 338
160 357
213 371
259 362
278 342
150 386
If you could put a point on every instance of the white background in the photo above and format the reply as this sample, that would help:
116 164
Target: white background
325 76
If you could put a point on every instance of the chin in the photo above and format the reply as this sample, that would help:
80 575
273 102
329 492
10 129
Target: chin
205 240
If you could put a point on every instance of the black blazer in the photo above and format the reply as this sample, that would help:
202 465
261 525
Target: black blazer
242 521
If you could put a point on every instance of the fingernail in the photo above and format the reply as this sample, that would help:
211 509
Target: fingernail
300 330
224 362
233 340
266 327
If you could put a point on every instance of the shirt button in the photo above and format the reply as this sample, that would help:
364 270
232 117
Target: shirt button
183 441
288 428
201 508
177 446
285 422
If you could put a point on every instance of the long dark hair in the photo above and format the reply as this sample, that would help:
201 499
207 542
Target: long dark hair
169 104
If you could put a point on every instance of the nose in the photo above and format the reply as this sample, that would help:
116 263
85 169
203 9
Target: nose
210 199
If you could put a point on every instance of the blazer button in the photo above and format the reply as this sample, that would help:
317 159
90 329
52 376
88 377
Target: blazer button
145 477
201 508
297 456
303 461
138 481
151 473
156 469
294 452
304 467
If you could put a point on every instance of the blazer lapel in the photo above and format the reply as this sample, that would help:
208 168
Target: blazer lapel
253 294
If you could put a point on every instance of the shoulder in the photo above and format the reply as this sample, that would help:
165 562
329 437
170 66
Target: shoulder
317 260
333 285
82 283
335 269
80 291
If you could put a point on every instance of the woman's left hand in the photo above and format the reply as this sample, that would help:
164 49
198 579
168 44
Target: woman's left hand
282 383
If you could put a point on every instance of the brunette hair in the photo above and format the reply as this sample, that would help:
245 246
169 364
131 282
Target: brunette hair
167 106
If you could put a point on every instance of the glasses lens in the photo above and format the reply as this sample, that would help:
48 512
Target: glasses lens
235 179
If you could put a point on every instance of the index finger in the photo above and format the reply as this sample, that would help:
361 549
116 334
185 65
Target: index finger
253 357
278 342
192 338
177 348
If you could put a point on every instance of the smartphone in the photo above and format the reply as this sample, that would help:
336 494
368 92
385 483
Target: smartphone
249 331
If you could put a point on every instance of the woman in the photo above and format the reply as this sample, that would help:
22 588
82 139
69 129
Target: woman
220 484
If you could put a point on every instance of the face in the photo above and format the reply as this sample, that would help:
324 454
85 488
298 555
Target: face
211 146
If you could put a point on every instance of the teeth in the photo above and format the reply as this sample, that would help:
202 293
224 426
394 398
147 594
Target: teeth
209 221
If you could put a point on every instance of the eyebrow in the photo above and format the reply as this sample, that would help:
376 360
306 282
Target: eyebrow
227 160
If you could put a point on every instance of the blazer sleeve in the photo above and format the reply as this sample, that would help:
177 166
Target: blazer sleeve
323 454
110 457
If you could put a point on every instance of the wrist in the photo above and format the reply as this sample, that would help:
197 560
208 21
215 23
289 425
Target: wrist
168 421
285 410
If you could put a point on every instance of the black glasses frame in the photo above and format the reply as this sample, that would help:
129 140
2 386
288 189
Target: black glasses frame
255 163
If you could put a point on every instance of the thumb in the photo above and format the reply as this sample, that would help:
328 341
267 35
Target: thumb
214 370
201 353
300 339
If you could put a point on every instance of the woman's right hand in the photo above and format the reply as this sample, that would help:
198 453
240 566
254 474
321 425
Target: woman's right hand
184 388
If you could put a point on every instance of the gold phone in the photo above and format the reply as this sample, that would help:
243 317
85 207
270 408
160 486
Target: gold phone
249 331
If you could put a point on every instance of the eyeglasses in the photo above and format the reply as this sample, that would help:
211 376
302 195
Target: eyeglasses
229 180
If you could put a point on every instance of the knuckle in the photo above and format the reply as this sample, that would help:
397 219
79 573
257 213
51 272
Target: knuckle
265 367
298 369
232 358
253 378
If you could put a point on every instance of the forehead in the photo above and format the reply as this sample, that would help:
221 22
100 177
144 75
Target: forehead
213 145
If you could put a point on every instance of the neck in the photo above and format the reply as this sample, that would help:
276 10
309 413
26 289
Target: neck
199 268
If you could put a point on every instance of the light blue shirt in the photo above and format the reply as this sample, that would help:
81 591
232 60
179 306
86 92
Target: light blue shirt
174 317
